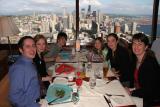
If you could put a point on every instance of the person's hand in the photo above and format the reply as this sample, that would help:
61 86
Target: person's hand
47 78
129 90
116 73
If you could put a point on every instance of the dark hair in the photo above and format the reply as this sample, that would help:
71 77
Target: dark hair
102 45
113 35
38 37
141 37
99 39
61 34
21 41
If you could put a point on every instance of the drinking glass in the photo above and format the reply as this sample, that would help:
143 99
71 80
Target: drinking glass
92 82
79 82
105 70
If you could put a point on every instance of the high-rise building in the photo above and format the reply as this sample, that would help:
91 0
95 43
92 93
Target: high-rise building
117 27
70 19
65 22
82 16
126 28
134 28
89 11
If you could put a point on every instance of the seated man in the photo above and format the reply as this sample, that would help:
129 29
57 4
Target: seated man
24 88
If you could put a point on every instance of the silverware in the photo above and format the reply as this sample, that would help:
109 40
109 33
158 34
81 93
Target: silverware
108 101
108 82
115 95
60 102
53 100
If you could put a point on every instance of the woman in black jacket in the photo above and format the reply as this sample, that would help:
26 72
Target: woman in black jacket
119 58
45 79
146 71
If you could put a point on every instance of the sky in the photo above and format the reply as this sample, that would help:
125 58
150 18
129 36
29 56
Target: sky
106 6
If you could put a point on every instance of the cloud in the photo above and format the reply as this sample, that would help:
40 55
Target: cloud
106 6
35 5
91 2
127 7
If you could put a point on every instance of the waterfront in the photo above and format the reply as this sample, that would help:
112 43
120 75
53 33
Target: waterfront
148 28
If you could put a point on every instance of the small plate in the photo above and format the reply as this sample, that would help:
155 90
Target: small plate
60 80
51 93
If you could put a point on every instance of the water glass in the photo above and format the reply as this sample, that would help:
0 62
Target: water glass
92 82
75 96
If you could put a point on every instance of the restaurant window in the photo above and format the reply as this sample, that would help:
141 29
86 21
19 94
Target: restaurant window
158 23
97 18
47 17
124 17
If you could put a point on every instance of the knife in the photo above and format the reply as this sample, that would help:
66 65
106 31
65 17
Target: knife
60 102
108 102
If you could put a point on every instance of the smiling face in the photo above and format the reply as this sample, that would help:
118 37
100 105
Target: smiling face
112 42
29 49
138 47
98 45
41 45
61 41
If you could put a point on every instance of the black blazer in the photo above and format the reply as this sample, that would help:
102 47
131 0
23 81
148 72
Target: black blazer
40 65
121 62
148 77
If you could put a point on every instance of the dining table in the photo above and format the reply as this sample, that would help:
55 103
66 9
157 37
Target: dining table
108 92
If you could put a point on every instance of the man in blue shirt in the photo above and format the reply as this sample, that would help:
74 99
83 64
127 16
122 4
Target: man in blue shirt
24 85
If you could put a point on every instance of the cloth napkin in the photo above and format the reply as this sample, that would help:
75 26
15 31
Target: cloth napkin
64 68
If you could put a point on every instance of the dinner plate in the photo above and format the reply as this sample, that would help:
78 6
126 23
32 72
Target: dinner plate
65 55
51 93
60 80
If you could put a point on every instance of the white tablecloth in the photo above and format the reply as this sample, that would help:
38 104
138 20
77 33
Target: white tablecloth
94 97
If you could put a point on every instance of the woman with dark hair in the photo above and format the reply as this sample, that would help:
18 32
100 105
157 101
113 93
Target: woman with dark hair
119 58
146 71
96 54
41 45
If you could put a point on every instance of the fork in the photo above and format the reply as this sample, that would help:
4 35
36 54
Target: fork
115 95
53 100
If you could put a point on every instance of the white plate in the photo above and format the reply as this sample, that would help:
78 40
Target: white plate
60 80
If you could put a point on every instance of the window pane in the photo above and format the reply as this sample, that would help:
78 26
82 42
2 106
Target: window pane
158 24
124 17
47 17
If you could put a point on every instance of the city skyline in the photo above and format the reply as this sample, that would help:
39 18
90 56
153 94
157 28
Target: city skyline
145 7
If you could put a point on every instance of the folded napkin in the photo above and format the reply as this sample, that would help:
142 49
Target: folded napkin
64 68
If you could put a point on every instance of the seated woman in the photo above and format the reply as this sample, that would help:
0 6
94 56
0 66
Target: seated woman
119 58
96 54
41 44
146 71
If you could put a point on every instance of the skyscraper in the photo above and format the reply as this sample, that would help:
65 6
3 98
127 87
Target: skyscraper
134 28
117 27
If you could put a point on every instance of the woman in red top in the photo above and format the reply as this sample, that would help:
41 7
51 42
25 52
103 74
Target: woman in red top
146 71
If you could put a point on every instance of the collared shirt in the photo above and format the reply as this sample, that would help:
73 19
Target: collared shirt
24 84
